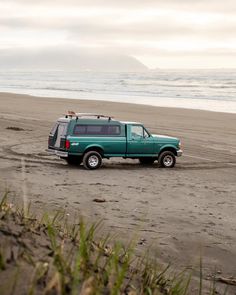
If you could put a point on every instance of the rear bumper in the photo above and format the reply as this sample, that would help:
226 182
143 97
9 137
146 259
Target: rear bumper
57 153
179 153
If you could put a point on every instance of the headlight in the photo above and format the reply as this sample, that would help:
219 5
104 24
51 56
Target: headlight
180 145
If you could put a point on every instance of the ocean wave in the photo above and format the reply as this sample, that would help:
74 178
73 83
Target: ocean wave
65 89
164 84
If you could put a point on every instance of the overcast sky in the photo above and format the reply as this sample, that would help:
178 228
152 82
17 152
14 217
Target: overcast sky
160 33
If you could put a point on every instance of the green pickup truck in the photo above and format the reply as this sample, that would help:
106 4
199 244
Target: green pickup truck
88 138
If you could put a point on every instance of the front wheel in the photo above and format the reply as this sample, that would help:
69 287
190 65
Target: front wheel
92 160
167 159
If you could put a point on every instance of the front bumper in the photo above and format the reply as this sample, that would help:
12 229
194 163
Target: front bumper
179 153
57 153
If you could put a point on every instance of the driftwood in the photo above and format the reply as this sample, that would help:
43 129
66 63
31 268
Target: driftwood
228 281
99 200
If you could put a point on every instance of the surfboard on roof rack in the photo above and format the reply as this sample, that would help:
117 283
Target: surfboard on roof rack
80 115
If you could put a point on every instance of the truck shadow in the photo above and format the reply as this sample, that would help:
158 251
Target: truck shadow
137 167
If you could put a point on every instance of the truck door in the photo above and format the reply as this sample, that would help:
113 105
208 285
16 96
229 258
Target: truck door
139 142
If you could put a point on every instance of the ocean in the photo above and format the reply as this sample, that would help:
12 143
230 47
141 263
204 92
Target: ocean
213 90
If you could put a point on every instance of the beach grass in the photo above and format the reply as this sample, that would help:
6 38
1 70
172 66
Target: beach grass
52 255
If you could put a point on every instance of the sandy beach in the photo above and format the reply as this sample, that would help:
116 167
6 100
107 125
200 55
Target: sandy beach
180 214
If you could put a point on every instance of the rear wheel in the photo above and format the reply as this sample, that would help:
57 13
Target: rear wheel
92 160
146 161
167 159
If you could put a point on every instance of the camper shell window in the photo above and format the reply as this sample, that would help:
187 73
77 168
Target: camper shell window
98 130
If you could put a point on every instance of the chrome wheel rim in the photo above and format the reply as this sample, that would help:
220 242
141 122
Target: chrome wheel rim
168 160
93 161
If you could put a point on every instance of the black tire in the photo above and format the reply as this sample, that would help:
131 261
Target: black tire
73 160
167 159
92 160
146 161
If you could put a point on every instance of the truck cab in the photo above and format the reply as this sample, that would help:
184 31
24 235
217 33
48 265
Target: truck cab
89 138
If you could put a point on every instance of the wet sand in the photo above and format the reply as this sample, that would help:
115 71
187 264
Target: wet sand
180 214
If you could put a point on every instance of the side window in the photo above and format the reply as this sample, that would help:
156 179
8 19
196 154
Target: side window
94 129
80 129
113 130
98 130
136 131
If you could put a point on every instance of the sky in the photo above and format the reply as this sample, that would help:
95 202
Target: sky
159 33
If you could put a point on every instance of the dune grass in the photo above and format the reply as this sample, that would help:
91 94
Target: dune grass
50 255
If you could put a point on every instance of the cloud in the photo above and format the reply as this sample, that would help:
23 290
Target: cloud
114 26
133 27
205 5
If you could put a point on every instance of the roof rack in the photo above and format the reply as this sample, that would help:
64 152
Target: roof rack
80 115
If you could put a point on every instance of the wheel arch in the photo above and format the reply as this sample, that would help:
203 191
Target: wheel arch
96 148
169 148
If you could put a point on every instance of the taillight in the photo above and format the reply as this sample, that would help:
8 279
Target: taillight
67 144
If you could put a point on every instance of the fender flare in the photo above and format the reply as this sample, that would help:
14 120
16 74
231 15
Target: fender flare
168 147
94 147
